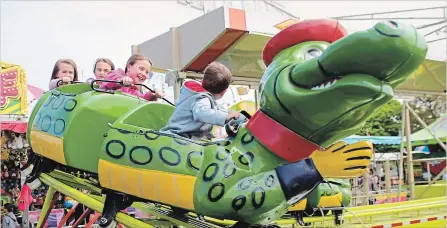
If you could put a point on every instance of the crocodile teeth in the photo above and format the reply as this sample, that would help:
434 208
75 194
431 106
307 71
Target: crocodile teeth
324 86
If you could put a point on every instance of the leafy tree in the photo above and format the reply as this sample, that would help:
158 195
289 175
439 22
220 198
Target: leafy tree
384 122
429 108
387 120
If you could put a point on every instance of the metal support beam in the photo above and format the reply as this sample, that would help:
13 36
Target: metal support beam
93 220
198 5
83 216
366 186
426 127
436 30
406 125
409 151
429 173
84 199
389 18
48 204
401 160
237 80
432 41
272 3
433 181
428 159
417 93
432 24
387 180
176 62
67 216
389 12
440 143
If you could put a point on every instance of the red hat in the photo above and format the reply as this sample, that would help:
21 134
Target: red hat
309 30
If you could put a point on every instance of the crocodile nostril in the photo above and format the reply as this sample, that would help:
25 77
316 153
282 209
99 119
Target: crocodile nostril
389 28
392 24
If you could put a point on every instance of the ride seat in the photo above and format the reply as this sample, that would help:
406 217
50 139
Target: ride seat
152 117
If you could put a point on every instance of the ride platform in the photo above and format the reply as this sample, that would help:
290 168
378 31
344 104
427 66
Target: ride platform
430 212
67 184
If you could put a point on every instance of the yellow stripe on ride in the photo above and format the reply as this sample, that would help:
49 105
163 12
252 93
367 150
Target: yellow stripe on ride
325 201
168 188
299 206
331 201
48 146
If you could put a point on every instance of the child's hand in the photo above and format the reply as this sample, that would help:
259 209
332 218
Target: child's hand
127 81
159 93
233 114
66 80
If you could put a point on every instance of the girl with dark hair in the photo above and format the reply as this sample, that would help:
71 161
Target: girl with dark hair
64 70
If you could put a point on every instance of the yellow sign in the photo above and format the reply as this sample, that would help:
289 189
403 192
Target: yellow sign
13 89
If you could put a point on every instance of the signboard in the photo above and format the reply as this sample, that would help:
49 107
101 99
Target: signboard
13 90
283 25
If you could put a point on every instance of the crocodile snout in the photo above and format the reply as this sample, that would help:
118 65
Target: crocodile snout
390 52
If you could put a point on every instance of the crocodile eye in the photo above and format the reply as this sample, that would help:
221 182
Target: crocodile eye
312 53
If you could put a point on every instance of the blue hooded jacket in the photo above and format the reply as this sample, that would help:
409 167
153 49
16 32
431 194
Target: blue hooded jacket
196 113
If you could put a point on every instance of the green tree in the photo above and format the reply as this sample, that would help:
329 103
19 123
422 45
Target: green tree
384 122
429 108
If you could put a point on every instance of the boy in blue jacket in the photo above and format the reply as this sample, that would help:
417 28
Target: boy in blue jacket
196 109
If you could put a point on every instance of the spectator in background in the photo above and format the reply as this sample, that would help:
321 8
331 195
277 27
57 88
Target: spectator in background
156 82
9 220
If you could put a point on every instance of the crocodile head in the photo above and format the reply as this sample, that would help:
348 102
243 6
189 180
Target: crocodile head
323 84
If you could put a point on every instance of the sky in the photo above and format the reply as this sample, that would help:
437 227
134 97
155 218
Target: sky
34 34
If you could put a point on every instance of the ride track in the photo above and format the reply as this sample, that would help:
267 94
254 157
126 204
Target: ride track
416 213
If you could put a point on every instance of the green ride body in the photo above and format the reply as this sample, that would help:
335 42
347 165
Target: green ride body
229 173
331 187
243 166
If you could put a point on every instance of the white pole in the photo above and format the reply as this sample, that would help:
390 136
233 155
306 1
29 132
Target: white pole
401 160
409 151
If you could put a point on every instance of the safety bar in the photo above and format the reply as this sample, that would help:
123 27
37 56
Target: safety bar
60 82
120 82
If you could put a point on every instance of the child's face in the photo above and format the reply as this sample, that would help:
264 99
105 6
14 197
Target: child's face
65 70
139 71
102 69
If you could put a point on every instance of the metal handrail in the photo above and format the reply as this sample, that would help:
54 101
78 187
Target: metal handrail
380 211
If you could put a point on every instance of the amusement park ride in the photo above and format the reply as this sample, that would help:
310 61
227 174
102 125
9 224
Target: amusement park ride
319 87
